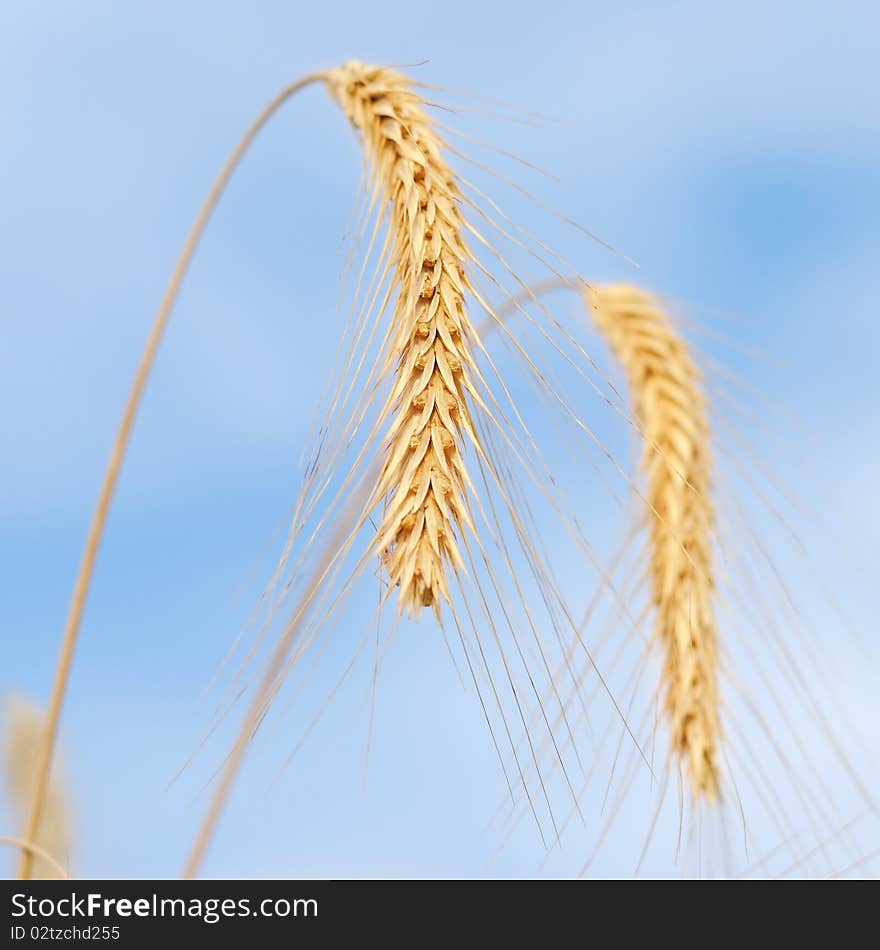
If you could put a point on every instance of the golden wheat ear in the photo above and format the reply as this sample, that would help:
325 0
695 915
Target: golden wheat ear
423 479
669 405
25 727
458 462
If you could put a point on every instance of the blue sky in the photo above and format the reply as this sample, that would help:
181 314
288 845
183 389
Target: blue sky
732 150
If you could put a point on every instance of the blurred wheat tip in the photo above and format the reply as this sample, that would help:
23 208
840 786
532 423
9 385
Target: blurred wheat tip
25 726
423 477
669 405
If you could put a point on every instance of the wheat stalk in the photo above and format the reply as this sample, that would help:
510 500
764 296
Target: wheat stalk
86 570
423 479
24 731
30 847
669 405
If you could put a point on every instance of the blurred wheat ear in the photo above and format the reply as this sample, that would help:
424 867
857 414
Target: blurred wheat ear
25 728
668 402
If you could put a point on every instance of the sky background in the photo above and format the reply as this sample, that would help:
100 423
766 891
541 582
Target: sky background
733 150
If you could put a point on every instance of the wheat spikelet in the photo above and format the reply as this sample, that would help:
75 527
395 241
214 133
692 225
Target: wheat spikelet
423 479
668 402
24 731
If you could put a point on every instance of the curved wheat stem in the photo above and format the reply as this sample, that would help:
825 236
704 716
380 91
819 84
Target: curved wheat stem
21 845
423 479
99 519
668 402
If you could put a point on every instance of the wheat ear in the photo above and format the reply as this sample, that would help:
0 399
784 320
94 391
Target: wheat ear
51 844
665 389
423 480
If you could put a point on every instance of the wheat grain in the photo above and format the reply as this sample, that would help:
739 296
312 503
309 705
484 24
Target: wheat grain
25 728
668 402
423 479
